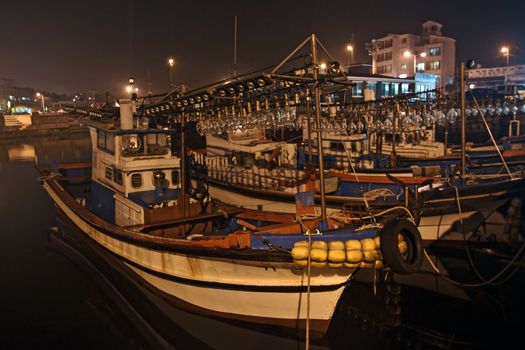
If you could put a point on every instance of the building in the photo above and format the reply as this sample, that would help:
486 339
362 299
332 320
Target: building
404 55
499 80
370 87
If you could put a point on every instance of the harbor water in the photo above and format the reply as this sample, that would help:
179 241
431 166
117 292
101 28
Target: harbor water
60 295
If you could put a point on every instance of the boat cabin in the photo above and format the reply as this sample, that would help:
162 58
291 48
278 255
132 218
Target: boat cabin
136 177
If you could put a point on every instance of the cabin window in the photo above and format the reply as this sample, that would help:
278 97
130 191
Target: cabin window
337 146
117 177
157 144
106 141
175 177
101 139
109 173
110 142
136 180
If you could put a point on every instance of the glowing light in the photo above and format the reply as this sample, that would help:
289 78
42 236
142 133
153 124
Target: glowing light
504 50
403 76
322 65
349 48
38 94
128 88
423 54
407 53
171 62
472 86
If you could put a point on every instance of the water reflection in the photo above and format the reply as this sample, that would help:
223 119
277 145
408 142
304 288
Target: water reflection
46 150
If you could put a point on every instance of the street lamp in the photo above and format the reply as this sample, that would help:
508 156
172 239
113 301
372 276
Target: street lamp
506 51
350 50
171 63
38 94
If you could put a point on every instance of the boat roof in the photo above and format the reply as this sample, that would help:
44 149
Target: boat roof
115 128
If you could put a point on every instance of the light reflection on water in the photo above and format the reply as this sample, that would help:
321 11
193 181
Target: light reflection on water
50 301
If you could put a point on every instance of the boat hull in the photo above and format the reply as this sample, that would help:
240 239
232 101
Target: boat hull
264 292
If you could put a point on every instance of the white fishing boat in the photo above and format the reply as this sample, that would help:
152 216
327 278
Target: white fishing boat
216 260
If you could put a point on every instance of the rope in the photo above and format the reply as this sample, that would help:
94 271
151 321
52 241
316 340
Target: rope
378 192
490 133
309 269
484 282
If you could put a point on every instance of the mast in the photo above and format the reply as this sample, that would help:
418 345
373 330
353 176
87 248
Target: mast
235 49
318 125
462 107
183 162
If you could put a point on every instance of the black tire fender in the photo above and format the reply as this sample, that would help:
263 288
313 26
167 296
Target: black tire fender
411 261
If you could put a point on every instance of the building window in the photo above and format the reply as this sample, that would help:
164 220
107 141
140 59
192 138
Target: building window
420 67
109 173
404 88
136 180
434 51
403 66
434 65
388 56
388 68
404 41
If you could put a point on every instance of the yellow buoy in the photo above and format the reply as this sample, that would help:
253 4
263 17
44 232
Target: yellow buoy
353 245
354 256
351 265
335 265
403 247
377 241
365 265
299 253
302 263
371 255
301 244
336 255
318 255
368 244
317 264
319 245
336 245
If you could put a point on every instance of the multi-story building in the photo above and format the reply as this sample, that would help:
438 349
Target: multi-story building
404 55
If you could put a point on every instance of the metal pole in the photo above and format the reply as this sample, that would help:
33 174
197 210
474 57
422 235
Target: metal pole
309 126
183 162
43 105
235 49
171 78
462 107
318 125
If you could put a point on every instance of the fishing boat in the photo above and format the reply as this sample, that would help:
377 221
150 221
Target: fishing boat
134 201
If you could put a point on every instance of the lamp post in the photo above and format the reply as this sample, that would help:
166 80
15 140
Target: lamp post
171 63
350 50
506 51
38 94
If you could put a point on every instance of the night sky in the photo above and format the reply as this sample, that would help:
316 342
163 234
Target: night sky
70 46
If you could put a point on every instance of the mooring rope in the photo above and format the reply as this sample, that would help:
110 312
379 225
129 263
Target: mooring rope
308 274
484 282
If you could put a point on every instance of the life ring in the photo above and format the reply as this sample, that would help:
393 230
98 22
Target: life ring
403 263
